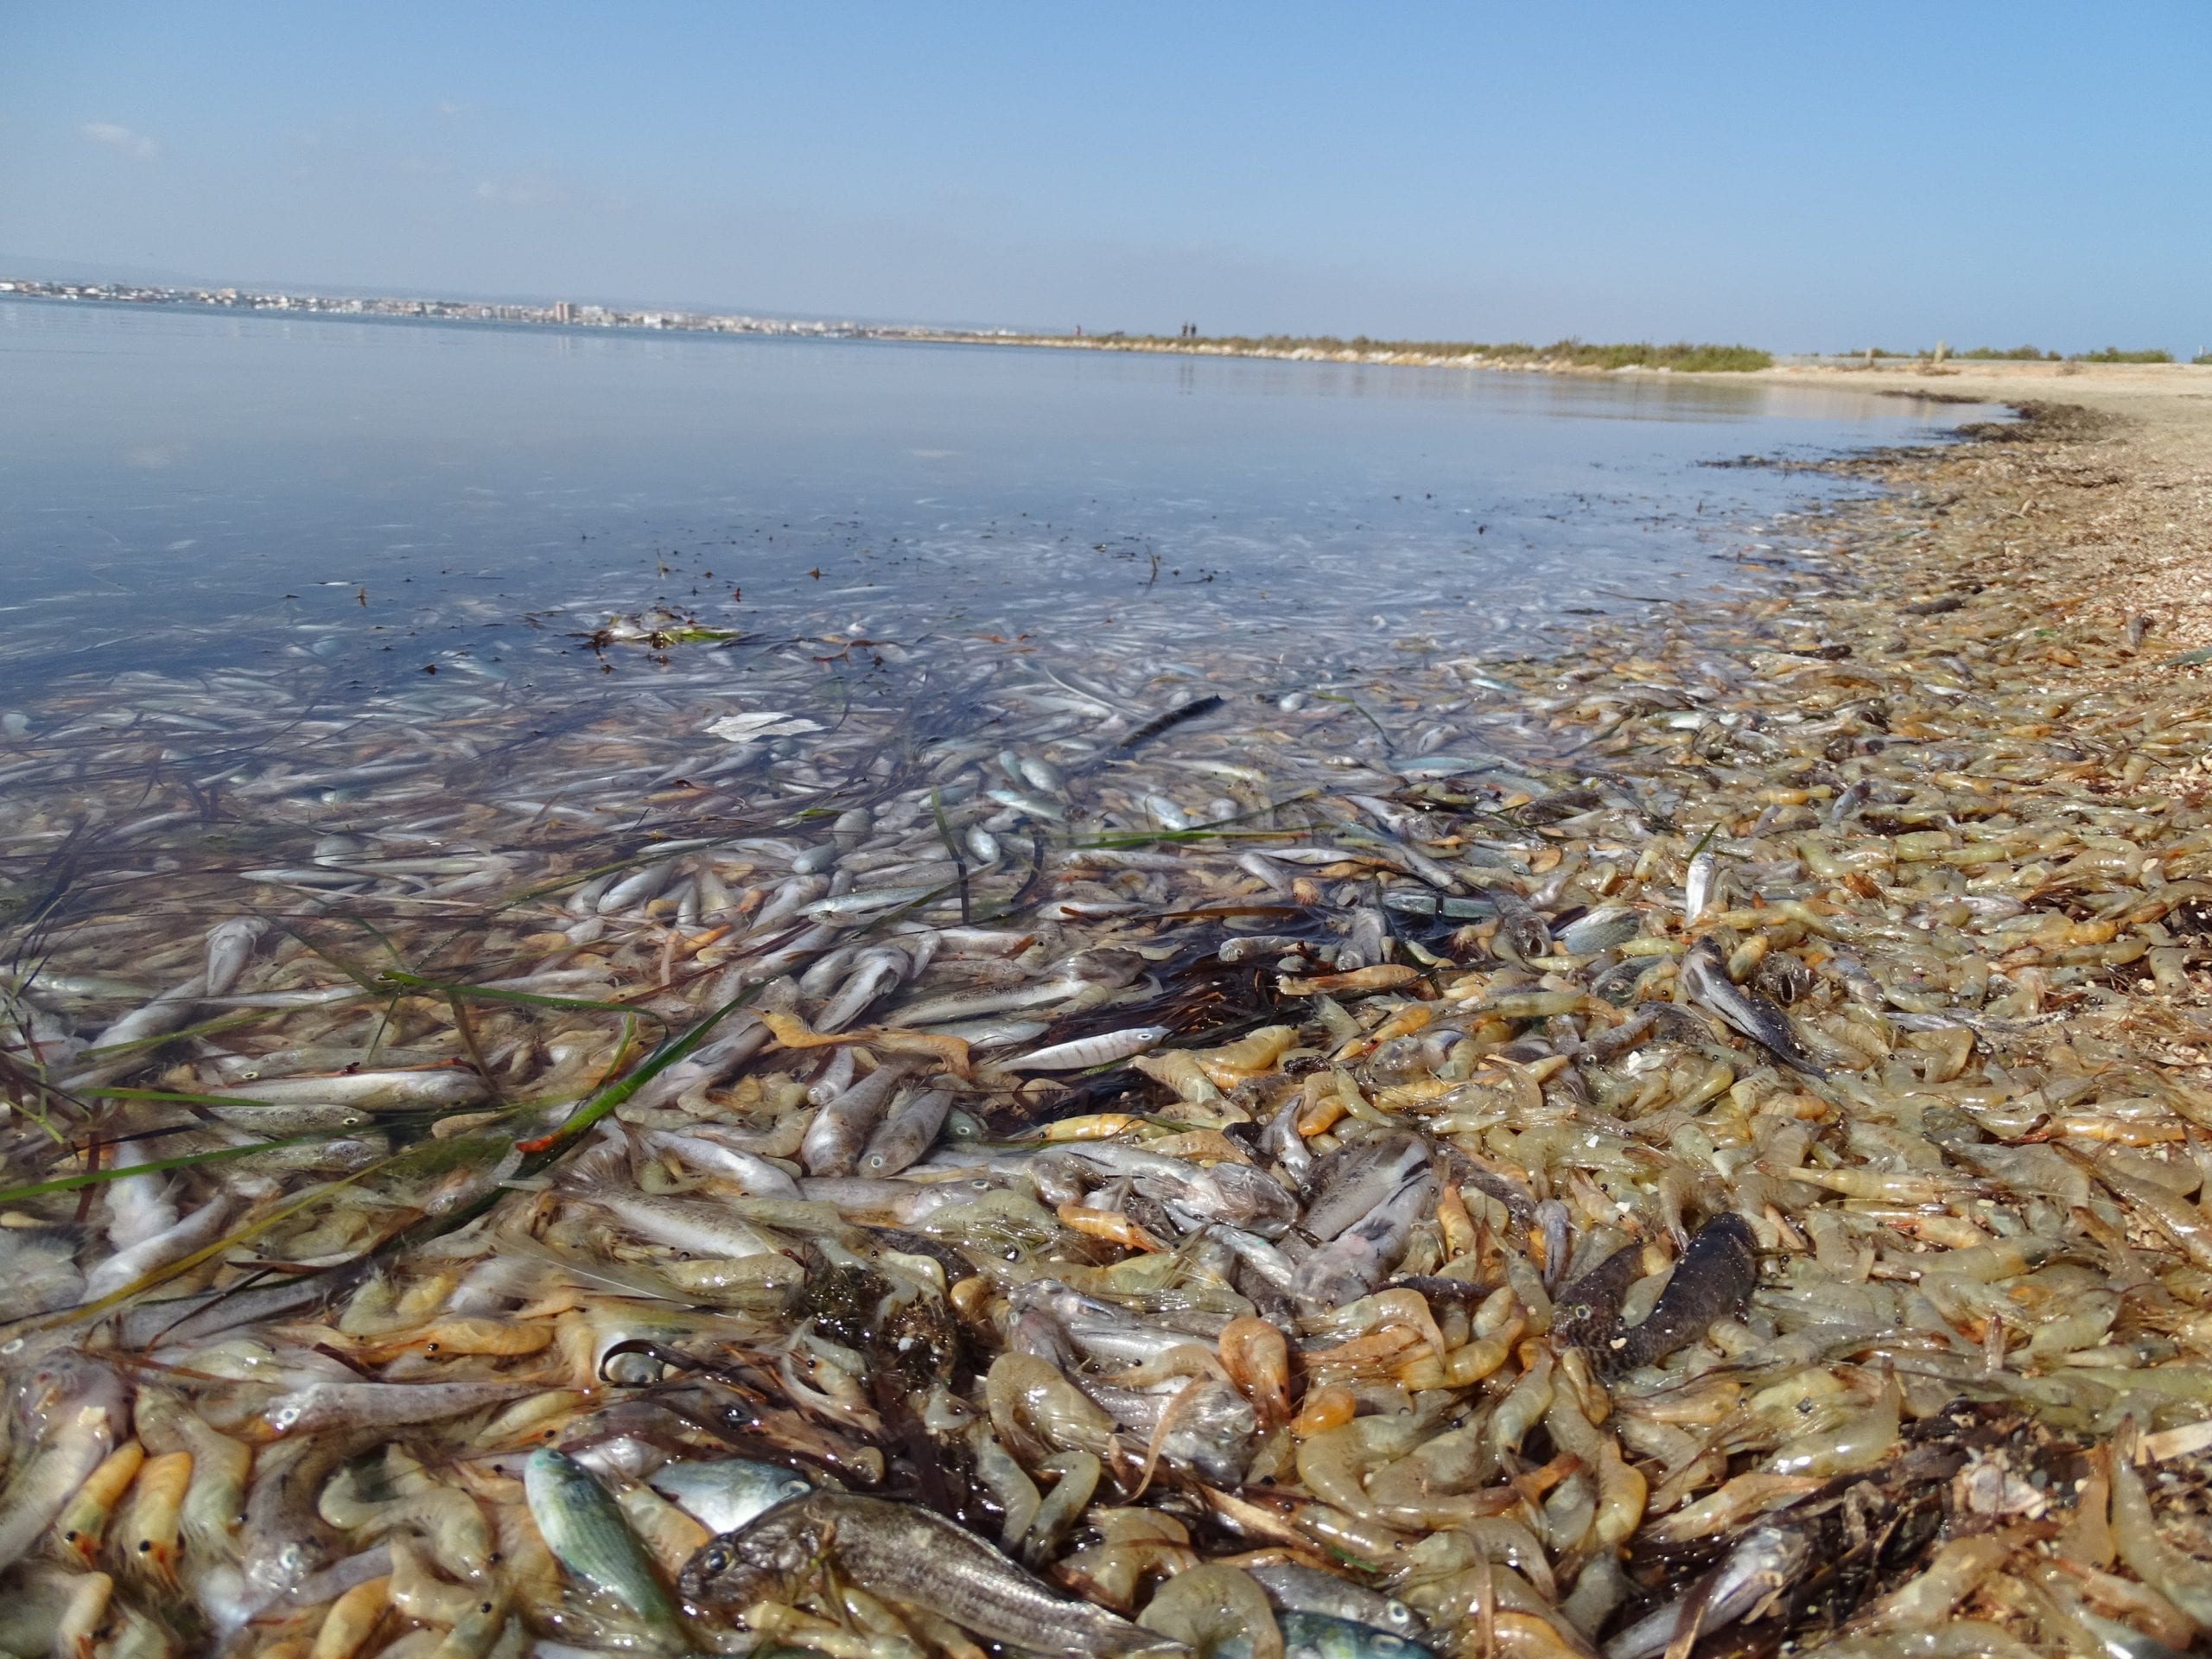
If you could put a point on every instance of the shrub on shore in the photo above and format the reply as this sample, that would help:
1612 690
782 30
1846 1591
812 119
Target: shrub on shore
2017 354
2114 354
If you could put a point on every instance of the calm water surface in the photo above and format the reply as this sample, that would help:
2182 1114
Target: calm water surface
182 491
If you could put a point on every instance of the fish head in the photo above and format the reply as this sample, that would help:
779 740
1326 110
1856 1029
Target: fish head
740 1568
1400 1621
729 1494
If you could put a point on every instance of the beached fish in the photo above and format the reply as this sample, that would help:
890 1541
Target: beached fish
1704 974
729 1493
1314 1235
584 1526
896 1550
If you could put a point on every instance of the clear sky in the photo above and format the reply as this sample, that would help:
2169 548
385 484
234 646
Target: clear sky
1792 175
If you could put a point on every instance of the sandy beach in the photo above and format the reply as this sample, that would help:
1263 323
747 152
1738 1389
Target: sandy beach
2116 522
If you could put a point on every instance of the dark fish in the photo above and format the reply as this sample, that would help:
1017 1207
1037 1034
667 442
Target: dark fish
1704 974
1784 978
1559 804
1586 1312
910 1554
1173 717
1763 1560
1713 1280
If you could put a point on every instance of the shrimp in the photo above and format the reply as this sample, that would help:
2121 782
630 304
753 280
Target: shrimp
154 1518
82 1525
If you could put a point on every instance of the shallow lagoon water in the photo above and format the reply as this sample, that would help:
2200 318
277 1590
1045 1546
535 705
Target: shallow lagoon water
182 491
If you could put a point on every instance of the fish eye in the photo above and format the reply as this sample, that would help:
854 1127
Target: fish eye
717 1558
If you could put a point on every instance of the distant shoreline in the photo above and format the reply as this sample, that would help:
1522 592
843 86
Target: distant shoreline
1922 375
1443 359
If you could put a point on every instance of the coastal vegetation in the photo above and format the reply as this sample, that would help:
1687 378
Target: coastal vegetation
1685 355
2035 355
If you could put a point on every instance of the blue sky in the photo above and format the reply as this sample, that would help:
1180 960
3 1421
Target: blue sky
1796 175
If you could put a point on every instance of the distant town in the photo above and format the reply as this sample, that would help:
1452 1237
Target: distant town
559 313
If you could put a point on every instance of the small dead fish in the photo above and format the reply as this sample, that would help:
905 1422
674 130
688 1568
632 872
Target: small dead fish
1705 975
201 1227
1587 1312
1308 1634
1035 805
582 1525
70 1414
379 1405
907 1132
875 899
1085 1052
1766 1560
1600 930
38 1270
704 1226
367 1091
728 1493
1358 1259
1173 718
1713 1279
1350 1181
1294 1589
1697 890
841 1130
909 1554
757 1176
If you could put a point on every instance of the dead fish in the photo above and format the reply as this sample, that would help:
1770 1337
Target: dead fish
912 1555
1705 975
841 1130
1713 1280
1358 1259
1086 1052
1586 1312
1766 1560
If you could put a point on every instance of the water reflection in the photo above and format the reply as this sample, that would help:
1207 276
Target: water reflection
204 490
